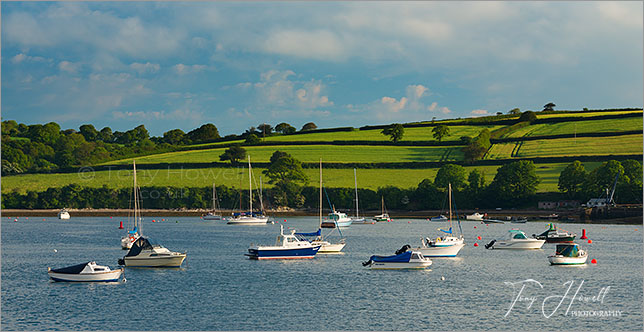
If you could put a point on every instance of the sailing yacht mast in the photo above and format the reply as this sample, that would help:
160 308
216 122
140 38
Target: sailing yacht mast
250 188
320 225
449 193
136 202
355 180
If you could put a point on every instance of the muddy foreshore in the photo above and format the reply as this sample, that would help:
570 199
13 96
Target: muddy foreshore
570 216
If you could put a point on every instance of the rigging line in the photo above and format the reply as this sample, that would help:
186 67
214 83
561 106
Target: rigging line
329 200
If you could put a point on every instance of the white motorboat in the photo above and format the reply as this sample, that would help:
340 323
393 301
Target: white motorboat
475 216
134 234
250 217
403 259
86 272
63 214
516 239
337 219
146 253
568 254
287 246
438 218
447 245
213 215
383 216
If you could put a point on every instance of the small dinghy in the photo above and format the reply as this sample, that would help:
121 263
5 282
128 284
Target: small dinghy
516 240
402 260
86 272
568 254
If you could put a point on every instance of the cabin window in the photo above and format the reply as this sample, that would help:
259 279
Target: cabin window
291 240
519 236
415 256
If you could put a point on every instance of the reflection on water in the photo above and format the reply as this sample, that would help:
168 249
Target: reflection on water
218 288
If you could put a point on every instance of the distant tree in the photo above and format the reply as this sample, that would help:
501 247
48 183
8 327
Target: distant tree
277 155
603 177
309 126
285 168
252 139
572 178
515 111
515 182
47 134
549 106
234 154
265 129
174 136
394 131
476 181
433 119
450 173
105 135
138 134
206 132
251 131
10 128
440 131
478 146
528 116
499 113
285 128
89 132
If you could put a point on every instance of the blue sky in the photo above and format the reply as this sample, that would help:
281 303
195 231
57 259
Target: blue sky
238 64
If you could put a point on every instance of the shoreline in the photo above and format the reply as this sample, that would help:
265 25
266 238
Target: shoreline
571 216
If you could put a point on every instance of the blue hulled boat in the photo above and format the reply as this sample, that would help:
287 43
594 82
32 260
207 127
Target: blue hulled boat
403 259
287 246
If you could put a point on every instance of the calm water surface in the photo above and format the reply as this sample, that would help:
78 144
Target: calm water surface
218 288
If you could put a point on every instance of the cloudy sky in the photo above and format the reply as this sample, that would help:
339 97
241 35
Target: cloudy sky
238 64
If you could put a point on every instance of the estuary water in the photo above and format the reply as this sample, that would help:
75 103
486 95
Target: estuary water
218 288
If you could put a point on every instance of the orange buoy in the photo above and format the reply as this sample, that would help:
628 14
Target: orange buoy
121 225
583 234
594 261
478 237
43 219
590 241
476 244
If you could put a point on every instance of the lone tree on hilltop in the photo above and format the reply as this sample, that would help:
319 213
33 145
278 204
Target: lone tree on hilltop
549 106
395 132
309 126
528 116
440 131
285 128
514 111
233 153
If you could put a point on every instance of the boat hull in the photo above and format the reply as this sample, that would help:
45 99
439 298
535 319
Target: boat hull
263 253
400 266
331 224
522 245
155 261
63 215
562 239
248 221
110 276
210 217
327 248
561 260
449 251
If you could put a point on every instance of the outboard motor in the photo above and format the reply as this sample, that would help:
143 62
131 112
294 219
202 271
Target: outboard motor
403 249
121 261
489 245
367 263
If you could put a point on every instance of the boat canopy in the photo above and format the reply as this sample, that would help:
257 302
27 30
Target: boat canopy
444 231
517 234
140 244
74 269
401 258
567 250
318 233
237 214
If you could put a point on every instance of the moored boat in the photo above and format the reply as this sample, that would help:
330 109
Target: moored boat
475 216
213 215
568 254
554 235
516 239
403 259
249 218
287 246
86 272
63 214
383 216
133 235
147 253
337 219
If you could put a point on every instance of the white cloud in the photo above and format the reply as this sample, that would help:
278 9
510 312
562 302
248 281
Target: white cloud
178 114
405 109
147 67
182 69
479 113
18 58
281 89
318 44
68 67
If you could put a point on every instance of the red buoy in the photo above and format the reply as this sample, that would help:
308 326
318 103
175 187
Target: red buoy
594 261
474 226
590 241
476 244
583 234
121 225
478 237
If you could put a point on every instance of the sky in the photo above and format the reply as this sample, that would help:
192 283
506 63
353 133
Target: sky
170 65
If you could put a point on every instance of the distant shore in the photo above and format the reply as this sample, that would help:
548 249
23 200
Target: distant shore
570 216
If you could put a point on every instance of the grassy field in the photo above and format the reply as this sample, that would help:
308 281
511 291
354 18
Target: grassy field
586 146
584 114
313 153
580 127
238 177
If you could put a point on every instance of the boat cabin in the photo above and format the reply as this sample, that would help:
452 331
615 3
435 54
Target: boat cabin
517 234
567 250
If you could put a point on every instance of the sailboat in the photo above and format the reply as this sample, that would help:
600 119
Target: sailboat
213 214
383 216
249 218
357 218
133 235
325 246
447 245
143 251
